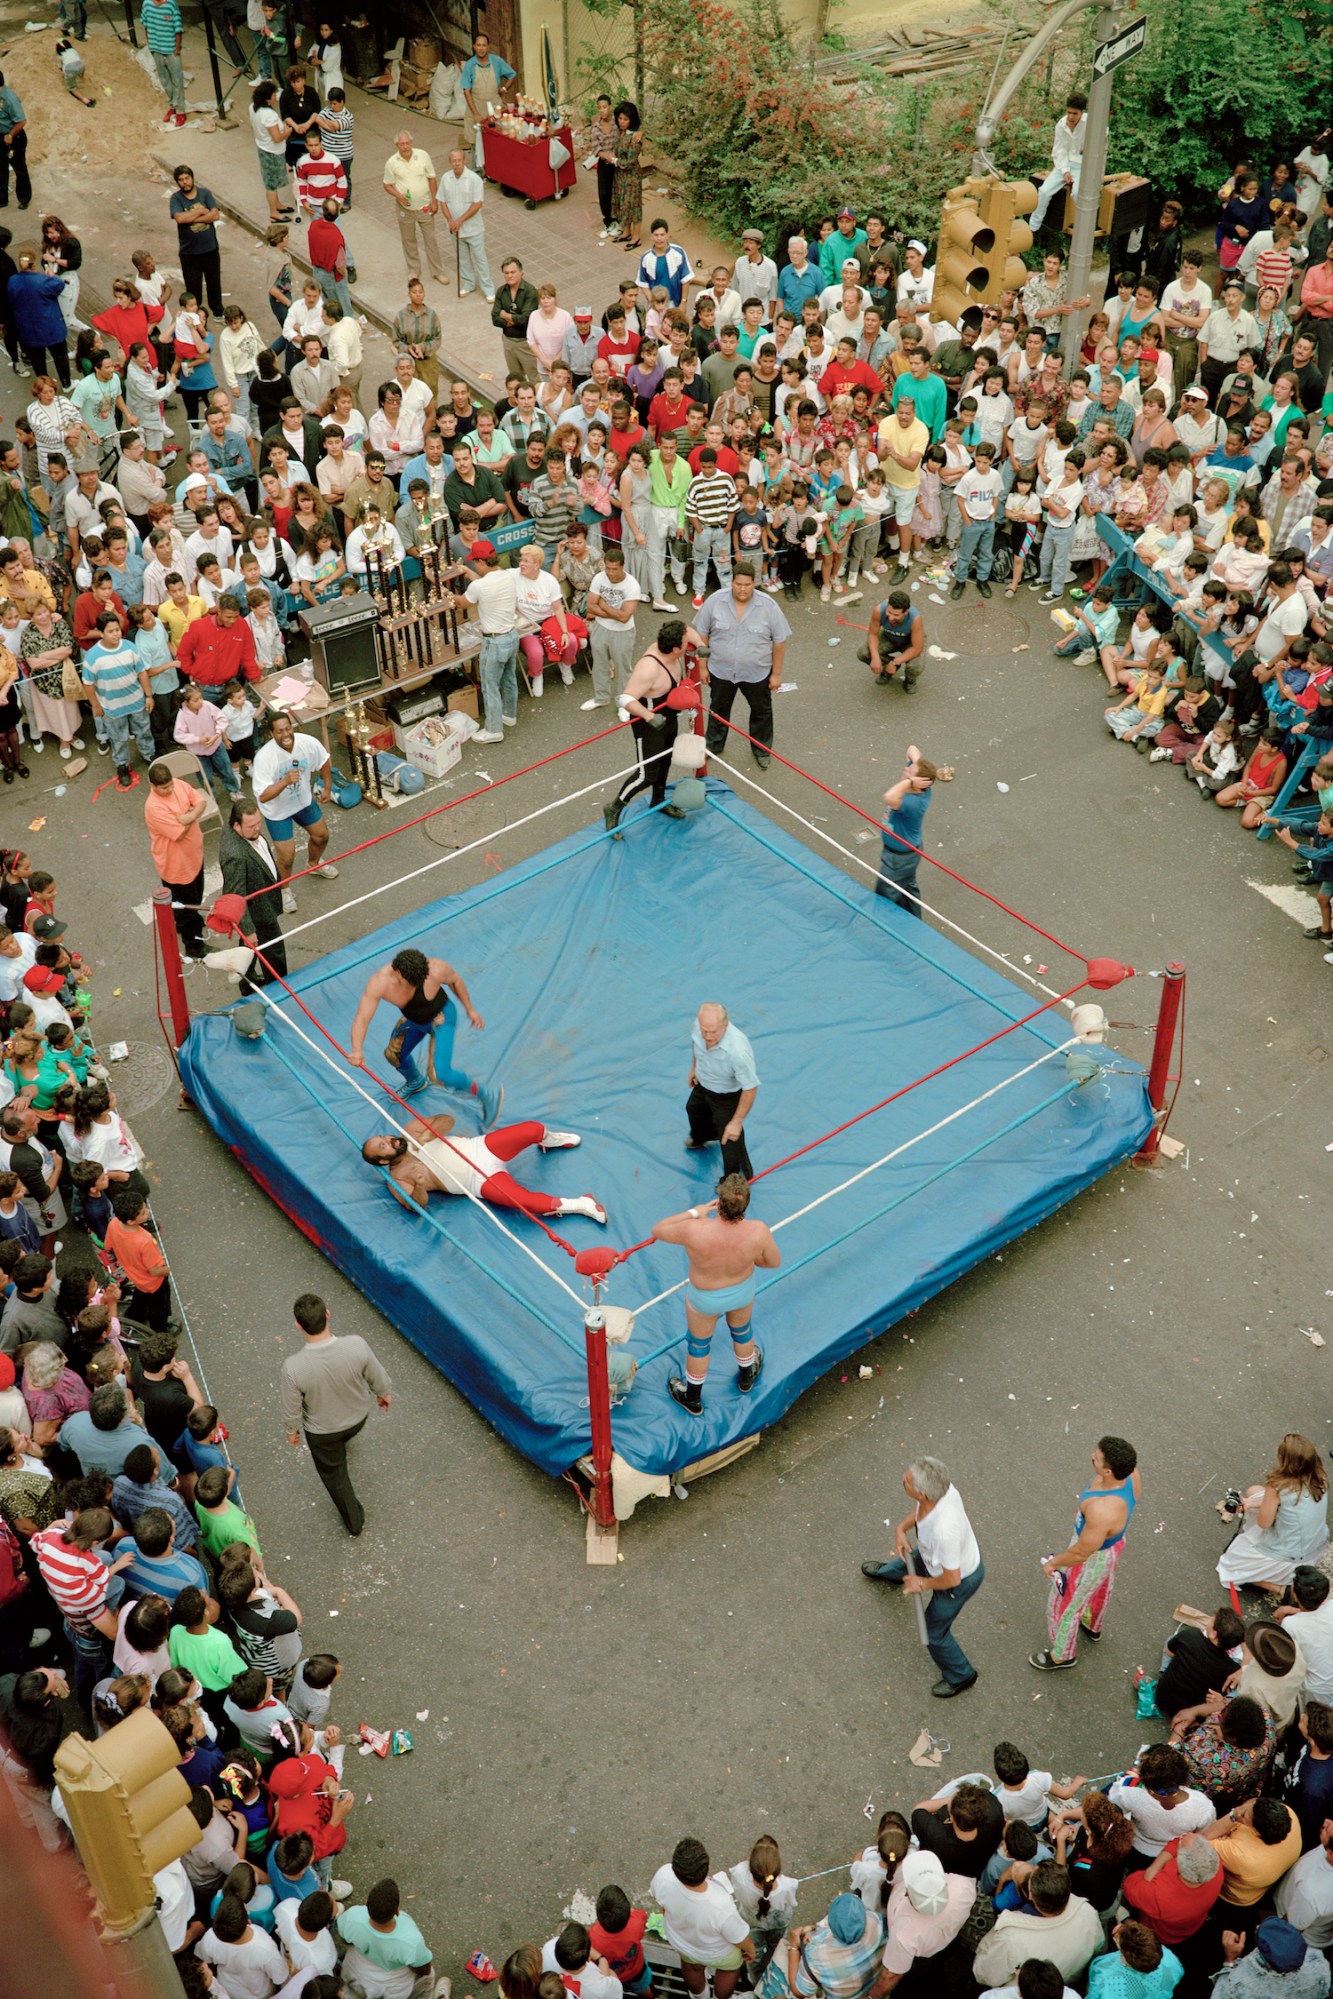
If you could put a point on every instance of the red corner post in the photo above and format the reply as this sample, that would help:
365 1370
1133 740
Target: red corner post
169 950
599 1412
1164 1041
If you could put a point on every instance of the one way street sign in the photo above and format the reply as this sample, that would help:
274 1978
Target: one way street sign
1110 54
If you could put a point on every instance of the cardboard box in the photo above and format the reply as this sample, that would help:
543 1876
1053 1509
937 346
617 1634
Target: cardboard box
465 702
433 759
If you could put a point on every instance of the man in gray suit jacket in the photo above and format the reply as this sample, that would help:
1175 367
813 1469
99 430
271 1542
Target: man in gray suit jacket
249 868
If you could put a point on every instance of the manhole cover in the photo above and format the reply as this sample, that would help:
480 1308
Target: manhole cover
143 1078
993 628
443 832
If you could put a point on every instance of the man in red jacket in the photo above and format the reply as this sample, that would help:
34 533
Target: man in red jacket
220 647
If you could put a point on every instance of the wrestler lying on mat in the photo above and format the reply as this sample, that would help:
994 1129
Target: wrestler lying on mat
428 1161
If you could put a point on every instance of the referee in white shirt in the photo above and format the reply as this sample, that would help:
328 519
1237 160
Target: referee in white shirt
945 1567
723 1085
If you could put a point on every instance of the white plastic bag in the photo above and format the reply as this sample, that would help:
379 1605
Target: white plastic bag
446 93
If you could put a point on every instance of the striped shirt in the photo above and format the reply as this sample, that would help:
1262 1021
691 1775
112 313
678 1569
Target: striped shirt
317 179
115 678
712 499
161 25
165 1575
552 509
338 142
1274 267
77 1581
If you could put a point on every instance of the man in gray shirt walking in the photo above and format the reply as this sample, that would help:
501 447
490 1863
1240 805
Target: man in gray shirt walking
328 1390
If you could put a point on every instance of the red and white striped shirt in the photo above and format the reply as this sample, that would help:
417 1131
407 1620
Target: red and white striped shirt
1273 267
76 1580
317 179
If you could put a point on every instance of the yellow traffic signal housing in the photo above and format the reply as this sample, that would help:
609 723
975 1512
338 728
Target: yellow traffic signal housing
965 241
127 1803
1003 206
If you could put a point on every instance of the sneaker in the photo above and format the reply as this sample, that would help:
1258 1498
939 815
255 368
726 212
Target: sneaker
558 1141
1049 597
79 743
37 745
566 674
342 1889
66 751
584 1204
689 1394
661 604
328 872
852 579
288 903
489 736
1314 933
510 721
1088 658
773 583
537 686
1160 757
824 593
489 297
104 749
698 600
746 1377
23 369
490 1102
586 707
1044 1663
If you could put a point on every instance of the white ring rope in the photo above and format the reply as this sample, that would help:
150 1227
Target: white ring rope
568 798
920 901
897 1151
389 1118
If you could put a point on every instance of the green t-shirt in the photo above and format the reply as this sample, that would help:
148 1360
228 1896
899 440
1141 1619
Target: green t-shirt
210 1656
221 1525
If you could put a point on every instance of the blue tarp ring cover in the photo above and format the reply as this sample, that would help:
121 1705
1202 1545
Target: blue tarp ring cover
588 962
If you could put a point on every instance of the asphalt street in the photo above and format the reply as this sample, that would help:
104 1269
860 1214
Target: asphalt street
733 1674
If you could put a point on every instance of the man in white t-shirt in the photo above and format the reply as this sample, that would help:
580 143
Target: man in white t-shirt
1186 304
1311 1625
18 952
701 1920
1285 618
613 596
288 780
494 591
945 1567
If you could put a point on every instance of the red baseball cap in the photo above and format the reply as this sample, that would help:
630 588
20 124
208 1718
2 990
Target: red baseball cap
41 979
482 551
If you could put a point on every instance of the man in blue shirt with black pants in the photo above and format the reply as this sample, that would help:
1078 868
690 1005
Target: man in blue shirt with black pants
723 1085
900 835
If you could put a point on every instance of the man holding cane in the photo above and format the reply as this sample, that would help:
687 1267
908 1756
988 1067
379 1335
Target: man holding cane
945 1567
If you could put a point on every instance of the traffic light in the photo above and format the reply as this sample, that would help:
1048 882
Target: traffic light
1125 203
1003 205
127 1803
964 243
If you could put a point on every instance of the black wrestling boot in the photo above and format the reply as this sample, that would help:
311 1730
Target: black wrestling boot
689 1394
746 1377
611 814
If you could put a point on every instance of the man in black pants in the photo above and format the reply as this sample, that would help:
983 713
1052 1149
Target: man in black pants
195 214
328 1391
661 669
13 147
745 636
250 868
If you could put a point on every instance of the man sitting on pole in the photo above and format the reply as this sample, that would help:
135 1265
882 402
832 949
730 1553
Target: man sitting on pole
426 1160
1067 153
724 1250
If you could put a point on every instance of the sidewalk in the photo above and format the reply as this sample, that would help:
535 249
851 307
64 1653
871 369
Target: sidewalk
556 242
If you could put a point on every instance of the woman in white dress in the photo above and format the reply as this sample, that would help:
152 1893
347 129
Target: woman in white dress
1286 1519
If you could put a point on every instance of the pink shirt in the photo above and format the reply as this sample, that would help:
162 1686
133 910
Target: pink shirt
546 337
199 729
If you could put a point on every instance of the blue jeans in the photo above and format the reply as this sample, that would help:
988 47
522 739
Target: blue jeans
712 542
976 545
335 288
499 678
92 1656
897 871
219 763
443 1037
119 729
1054 566
942 1607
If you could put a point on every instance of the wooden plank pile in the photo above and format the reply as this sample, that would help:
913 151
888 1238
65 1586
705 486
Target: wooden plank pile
919 52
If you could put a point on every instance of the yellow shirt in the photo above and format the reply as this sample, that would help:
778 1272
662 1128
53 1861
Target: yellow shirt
176 617
1147 704
914 441
1249 1868
410 177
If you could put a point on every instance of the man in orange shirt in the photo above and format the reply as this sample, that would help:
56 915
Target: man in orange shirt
172 812
1317 308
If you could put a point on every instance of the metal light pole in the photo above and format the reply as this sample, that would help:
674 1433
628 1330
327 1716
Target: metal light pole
1088 199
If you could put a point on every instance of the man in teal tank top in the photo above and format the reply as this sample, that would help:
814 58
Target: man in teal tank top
1082 1575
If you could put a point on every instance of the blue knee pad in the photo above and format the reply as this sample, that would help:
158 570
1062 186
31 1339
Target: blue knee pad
696 1348
740 1334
